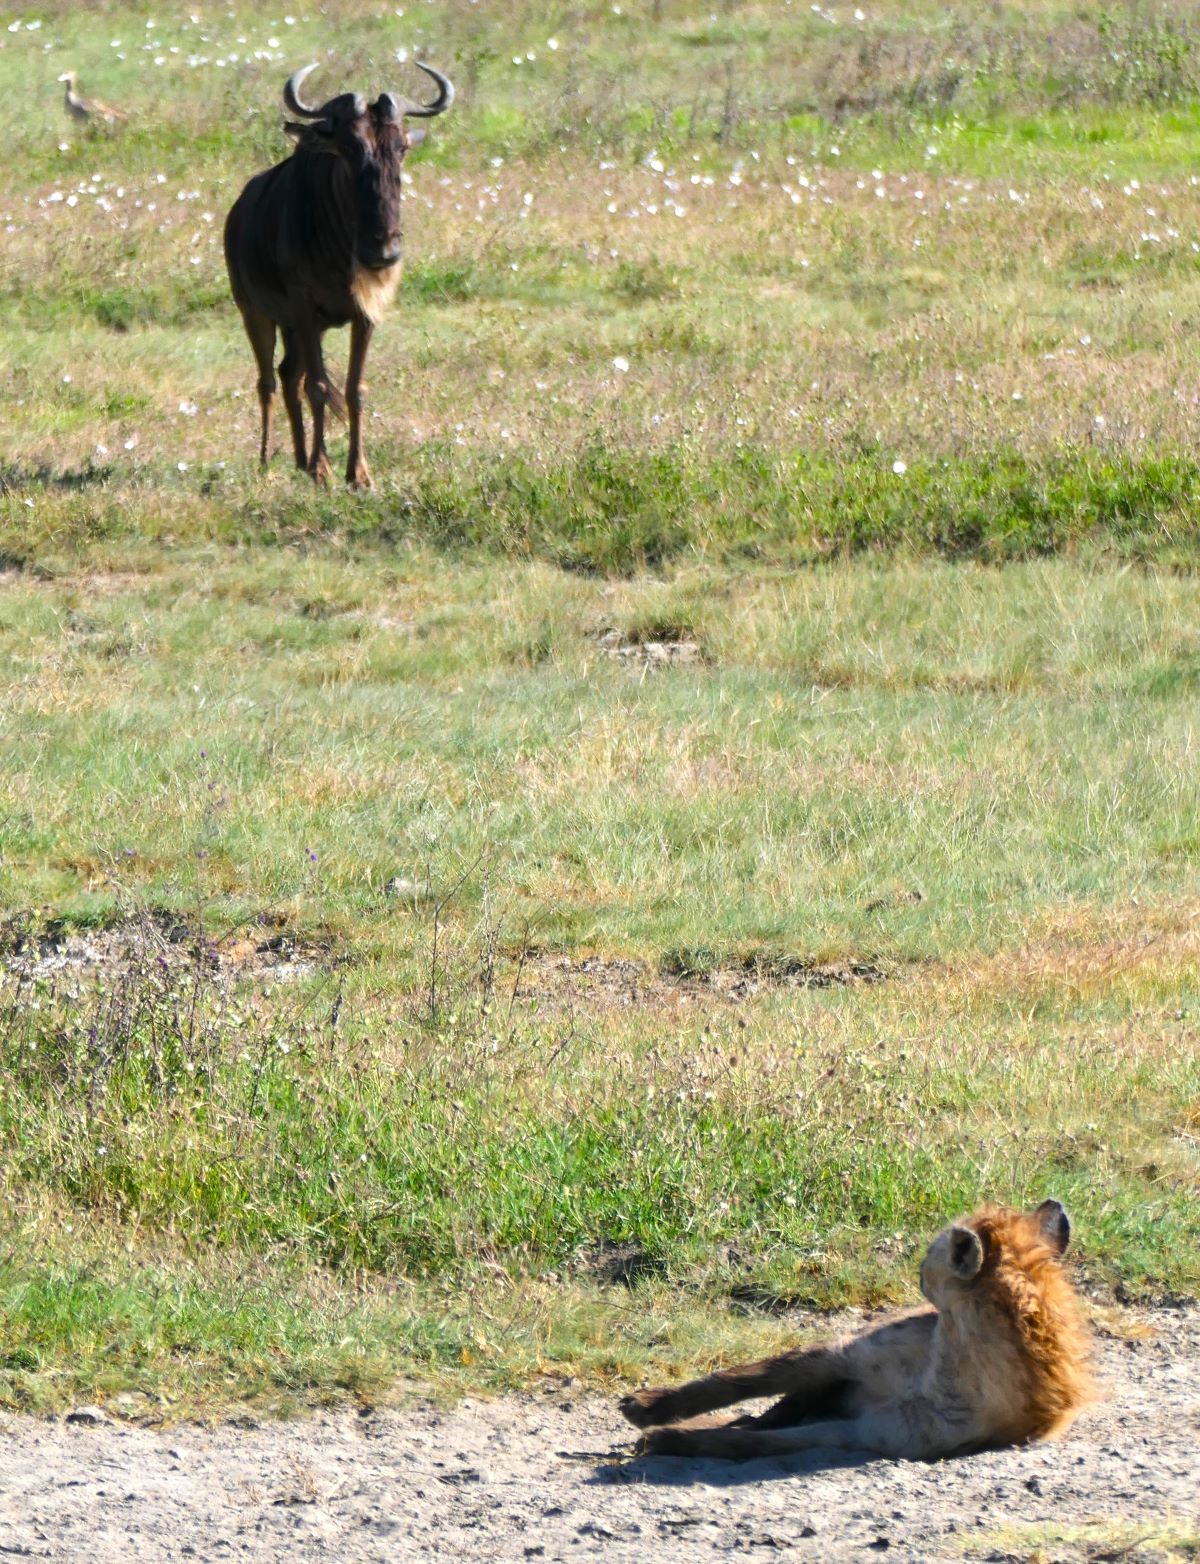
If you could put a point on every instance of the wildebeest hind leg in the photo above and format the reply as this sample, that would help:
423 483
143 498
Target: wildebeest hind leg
316 387
291 373
261 331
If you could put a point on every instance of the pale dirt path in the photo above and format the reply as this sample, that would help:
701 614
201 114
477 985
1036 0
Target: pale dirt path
536 1477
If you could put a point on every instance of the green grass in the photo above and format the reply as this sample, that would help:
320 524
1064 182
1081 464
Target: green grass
797 1153
604 508
852 360
973 781
362 715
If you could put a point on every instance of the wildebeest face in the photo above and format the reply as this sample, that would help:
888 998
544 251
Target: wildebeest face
371 143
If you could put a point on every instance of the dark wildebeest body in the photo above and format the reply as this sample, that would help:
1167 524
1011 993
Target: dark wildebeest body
315 242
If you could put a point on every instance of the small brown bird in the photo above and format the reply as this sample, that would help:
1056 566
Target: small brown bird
88 110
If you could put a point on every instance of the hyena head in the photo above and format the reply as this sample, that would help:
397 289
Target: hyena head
965 1251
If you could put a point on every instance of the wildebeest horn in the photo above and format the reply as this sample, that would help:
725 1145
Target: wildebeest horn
291 93
439 105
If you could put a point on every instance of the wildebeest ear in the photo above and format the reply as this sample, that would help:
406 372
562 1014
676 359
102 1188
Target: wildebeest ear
413 138
966 1253
321 127
1055 1225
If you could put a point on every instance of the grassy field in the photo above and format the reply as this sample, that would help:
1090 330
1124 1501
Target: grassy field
725 802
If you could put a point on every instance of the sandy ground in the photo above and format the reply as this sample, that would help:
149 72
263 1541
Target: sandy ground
546 1476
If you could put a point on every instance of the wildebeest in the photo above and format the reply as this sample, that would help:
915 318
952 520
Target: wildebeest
315 242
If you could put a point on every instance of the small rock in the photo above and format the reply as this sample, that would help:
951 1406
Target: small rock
402 888
87 1417
465 1474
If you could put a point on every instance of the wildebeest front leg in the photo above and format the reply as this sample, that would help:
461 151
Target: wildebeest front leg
291 372
261 331
317 388
357 474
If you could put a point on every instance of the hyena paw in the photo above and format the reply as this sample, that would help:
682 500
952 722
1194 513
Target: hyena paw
646 1408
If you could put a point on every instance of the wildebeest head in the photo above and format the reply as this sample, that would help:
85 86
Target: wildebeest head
370 140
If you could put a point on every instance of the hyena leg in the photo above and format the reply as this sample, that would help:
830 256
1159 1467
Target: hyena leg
749 1443
806 1372
913 1431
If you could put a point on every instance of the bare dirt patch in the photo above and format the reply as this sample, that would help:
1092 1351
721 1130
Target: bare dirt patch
547 1476
680 978
262 949
653 652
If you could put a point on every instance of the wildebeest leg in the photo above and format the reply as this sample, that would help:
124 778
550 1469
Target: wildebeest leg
291 372
356 465
261 331
317 389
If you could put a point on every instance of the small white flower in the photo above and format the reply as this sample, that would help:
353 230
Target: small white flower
621 365
899 467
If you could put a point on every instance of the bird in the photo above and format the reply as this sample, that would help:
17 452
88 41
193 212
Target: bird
88 110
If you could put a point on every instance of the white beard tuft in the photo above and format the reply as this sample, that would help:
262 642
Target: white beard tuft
372 291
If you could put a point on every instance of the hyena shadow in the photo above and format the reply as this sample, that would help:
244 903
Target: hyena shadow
657 1471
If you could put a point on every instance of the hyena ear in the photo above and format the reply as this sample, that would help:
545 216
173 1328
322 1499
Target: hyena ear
966 1253
1055 1225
